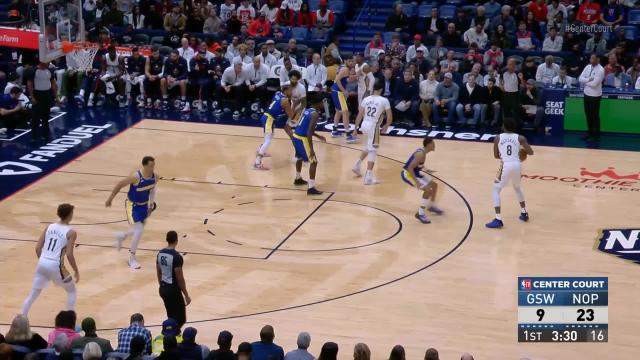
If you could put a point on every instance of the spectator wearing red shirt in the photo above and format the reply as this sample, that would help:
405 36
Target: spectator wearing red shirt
589 12
322 20
304 16
539 10
285 16
260 27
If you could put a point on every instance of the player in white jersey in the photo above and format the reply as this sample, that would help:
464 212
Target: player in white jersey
506 147
298 100
371 111
55 242
112 70
365 82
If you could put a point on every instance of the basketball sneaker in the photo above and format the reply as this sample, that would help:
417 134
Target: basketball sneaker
495 224
186 108
423 218
79 100
436 210
313 191
335 134
524 216
351 139
133 263
356 170
260 167
300 181
371 181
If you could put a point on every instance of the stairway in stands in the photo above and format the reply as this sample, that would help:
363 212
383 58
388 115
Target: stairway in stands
372 19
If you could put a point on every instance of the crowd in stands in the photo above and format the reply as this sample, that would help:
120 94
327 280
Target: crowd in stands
439 70
136 342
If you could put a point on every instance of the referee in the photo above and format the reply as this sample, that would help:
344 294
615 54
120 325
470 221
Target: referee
511 92
171 279
591 78
42 85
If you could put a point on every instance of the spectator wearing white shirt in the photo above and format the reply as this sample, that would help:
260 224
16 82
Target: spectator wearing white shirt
553 41
270 10
427 91
246 12
316 75
563 80
492 72
475 70
243 54
185 51
232 49
413 49
554 8
226 9
592 77
547 71
257 72
271 45
233 85
287 55
266 58
476 35
288 66
637 86
294 5
202 47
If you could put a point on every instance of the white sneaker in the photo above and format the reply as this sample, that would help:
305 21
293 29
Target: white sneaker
356 170
187 107
133 263
371 181
90 102
3 131
120 237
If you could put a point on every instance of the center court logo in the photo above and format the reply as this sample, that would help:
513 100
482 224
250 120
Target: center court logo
622 243
608 179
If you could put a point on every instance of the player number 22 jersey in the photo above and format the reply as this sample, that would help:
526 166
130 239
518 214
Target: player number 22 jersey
509 146
374 108
55 242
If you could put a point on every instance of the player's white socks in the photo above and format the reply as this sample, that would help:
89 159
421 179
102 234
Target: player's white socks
424 204
298 175
496 194
499 217
33 295
72 295
138 228
358 164
368 174
81 93
265 145
519 193
523 210
312 183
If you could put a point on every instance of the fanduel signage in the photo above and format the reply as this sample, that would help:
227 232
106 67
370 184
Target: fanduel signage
31 163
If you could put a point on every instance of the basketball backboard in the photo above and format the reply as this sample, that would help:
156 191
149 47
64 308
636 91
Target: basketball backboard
60 20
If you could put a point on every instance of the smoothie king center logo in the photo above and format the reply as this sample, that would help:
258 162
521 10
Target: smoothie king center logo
608 179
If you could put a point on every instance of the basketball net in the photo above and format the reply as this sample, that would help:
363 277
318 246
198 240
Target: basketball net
82 53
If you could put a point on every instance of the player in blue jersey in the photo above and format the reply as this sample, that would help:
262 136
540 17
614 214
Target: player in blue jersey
412 174
279 106
139 204
303 143
339 98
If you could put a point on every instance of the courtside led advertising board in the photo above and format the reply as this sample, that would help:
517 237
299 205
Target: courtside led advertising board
563 309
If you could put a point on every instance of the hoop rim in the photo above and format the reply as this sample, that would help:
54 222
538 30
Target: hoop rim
69 46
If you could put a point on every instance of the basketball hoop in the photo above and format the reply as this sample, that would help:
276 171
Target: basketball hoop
82 52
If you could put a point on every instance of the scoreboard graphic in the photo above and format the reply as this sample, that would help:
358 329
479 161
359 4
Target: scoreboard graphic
563 309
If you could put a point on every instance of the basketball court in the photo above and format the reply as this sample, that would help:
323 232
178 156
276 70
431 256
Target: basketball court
352 265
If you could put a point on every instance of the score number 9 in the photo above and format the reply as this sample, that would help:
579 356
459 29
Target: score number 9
583 314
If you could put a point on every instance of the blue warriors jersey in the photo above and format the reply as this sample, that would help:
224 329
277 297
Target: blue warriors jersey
343 81
139 193
303 126
134 65
416 170
275 108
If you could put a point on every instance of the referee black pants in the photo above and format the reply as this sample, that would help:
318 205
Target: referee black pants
174 303
592 113
511 106
41 113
